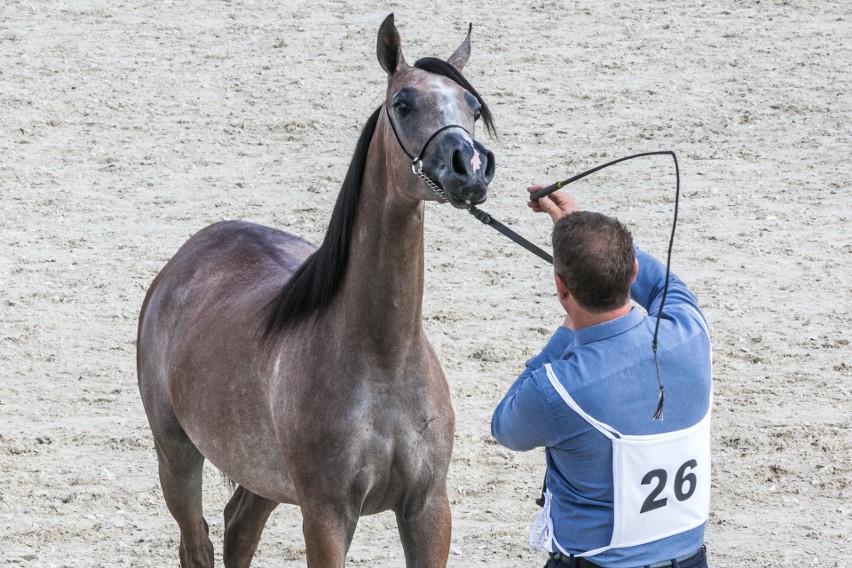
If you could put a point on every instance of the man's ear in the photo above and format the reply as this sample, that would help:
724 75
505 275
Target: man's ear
635 271
561 288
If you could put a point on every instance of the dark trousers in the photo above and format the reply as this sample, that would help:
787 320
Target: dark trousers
559 561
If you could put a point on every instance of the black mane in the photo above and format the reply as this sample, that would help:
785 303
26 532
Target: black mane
316 282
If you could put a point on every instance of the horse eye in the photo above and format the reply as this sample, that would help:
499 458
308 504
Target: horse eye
401 107
477 115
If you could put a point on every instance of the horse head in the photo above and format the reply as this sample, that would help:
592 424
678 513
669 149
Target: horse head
432 111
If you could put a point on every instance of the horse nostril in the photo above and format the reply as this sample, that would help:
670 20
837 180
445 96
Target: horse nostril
489 167
458 164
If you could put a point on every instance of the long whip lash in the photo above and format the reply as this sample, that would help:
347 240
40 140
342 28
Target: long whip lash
503 229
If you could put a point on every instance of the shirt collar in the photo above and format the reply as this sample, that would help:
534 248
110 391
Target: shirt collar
610 328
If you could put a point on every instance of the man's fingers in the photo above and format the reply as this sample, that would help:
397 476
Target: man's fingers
550 207
556 204
559 198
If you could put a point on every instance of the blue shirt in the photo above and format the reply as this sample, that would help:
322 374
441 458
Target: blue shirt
609 370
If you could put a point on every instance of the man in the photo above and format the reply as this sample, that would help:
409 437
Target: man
625 425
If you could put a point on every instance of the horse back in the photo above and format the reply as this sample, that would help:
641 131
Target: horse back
227 261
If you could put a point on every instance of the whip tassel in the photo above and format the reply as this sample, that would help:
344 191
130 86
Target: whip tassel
658 415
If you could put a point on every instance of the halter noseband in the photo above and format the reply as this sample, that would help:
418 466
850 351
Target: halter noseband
417 161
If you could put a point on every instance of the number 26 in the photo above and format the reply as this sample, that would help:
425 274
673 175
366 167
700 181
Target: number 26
684 486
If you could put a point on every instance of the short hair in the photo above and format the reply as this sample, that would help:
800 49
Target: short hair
593 254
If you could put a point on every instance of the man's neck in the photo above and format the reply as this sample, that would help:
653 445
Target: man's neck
584 318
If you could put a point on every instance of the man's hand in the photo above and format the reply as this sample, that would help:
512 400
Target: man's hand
557 204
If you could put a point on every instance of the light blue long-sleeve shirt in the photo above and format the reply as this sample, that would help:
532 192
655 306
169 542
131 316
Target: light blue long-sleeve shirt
609 370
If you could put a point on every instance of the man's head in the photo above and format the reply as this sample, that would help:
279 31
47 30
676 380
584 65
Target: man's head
593 255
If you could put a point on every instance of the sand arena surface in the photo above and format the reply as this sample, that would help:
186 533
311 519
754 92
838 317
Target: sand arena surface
128 126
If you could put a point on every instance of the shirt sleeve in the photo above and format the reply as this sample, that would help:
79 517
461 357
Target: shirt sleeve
524 419
647 290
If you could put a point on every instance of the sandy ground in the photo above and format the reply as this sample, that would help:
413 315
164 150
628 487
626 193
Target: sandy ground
127 126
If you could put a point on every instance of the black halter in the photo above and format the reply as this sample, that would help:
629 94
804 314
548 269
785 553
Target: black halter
417 161
419 157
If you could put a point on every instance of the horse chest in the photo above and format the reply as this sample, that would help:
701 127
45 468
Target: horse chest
392 421
392 458
378 438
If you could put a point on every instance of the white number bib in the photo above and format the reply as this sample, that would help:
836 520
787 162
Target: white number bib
661 481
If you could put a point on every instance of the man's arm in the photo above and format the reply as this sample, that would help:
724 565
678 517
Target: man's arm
647 290
524 420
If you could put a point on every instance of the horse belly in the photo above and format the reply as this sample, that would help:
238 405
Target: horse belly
200 360
221 398
242 445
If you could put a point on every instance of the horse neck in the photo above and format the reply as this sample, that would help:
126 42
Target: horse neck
382 293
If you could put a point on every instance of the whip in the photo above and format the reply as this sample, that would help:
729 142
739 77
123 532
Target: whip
503 229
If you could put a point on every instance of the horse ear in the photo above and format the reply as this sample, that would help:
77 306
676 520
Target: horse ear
461 55
388 48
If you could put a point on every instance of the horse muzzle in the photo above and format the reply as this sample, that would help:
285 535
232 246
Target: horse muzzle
461 166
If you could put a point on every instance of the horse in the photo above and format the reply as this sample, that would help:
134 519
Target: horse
303 373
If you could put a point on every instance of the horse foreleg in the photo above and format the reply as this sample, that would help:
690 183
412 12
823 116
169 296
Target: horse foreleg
181 467
328 530
425 533
245 517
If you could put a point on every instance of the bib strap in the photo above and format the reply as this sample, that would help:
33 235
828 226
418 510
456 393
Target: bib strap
601 427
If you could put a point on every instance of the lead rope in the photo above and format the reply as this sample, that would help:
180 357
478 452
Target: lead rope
485 218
